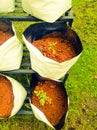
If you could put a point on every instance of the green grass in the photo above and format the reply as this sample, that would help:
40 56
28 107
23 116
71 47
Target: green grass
81 84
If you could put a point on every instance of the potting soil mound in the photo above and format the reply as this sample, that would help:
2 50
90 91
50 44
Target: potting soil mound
6 97
50 98
55 47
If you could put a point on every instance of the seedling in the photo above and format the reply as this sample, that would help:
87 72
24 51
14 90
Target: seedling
52 46
43 98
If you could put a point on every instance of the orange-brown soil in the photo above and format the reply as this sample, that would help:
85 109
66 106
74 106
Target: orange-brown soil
6 97
55 105
4 36
55 47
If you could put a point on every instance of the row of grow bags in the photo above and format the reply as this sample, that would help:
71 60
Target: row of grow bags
47 10
13 95
11 51
47 69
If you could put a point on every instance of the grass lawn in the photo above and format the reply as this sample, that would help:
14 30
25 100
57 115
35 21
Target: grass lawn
81 84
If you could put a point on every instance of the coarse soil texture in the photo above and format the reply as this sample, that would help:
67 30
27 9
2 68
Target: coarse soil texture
50 98
6 97
55 47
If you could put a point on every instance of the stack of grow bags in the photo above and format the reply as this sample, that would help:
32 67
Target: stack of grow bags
48 71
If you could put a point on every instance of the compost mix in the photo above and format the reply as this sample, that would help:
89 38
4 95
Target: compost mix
55 47
6 97
50 98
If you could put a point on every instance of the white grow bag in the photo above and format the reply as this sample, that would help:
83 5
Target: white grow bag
19 95
47 10
11 53
45 66
7 6
38 113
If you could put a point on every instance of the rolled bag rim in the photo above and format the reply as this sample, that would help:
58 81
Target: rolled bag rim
47 28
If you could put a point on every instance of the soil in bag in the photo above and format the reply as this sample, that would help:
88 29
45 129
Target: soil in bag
50 97
55 41
6 97
55 47
5 32
12 96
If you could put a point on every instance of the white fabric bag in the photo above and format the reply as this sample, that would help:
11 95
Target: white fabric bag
11 53
47 10
7 6
19 93
37 112
45 66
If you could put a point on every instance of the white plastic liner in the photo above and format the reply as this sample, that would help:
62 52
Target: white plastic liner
46 67
19 95
11 53
7 6
47 10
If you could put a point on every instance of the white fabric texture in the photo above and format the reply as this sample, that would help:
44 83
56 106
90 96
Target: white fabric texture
7 6
19 95
11 53
47 10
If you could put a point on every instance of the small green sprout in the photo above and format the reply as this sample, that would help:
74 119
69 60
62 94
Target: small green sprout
52 47
42 97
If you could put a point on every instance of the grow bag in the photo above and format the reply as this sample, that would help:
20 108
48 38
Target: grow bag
18 94
54 110
11 51
7 6
43 65
47 10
